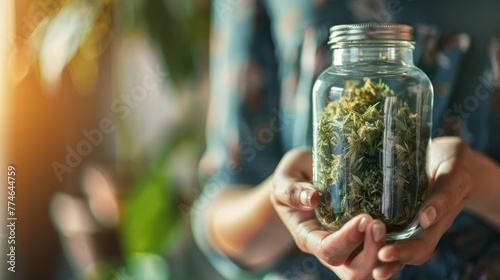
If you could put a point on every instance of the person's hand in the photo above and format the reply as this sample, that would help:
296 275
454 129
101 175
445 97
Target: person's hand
351 252
450 181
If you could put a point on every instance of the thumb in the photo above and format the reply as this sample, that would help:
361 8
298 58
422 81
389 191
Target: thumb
298 195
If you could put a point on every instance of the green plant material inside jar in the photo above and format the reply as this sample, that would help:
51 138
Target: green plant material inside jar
370 158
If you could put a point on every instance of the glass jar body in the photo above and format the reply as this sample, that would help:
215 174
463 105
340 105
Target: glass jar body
372 124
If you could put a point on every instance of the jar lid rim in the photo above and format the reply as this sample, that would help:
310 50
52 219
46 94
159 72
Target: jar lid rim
370 32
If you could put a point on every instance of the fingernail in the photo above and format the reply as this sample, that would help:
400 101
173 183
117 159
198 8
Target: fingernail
378 232
305 197
428 215
362 224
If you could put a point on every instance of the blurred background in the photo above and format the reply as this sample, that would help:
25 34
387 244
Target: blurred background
103 106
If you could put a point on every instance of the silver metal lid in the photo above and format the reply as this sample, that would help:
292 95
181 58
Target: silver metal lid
370 32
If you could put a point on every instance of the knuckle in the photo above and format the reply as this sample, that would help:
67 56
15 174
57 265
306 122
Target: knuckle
301 240
446 201
465 185
354 237
291 195
329 258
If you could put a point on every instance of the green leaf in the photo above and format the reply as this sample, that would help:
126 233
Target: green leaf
149 218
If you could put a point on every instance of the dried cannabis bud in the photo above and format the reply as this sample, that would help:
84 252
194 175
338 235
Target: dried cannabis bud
370 158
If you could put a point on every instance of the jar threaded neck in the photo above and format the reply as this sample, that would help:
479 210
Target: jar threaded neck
366 32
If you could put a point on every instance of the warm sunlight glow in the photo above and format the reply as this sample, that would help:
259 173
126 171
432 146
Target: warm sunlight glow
5 30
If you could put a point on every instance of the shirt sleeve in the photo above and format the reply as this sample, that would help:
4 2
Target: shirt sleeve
241 150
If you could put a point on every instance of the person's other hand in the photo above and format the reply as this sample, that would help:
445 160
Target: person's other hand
450 181
351 252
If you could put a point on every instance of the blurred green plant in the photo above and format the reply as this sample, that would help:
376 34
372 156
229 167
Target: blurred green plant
77 34
150 220
180 29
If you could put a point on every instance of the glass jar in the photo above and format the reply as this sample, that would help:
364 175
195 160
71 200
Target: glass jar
372 121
